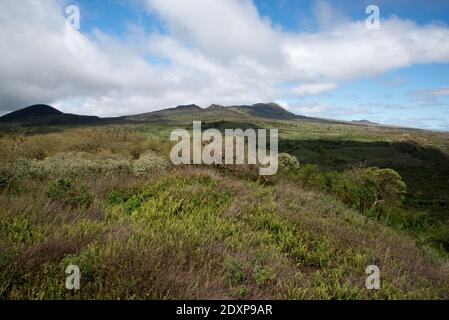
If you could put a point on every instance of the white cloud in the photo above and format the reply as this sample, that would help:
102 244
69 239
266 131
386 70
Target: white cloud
283 104
430 97
313 109
351 51
218 51
442 92
222 29
314 89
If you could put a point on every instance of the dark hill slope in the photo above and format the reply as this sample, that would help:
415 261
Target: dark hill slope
266 110
41 115
38 110
187 113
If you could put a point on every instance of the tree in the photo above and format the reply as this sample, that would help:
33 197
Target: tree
389 187
369 188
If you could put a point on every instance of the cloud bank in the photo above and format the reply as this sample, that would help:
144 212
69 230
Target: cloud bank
220 51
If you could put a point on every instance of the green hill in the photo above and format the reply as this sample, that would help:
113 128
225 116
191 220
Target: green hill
216 112
106 198
44 115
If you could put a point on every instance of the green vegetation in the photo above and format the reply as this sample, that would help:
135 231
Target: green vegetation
68 193
107 199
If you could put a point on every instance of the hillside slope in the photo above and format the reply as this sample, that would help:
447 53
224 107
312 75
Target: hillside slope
107 199
216 112
265 110
44 115
195 233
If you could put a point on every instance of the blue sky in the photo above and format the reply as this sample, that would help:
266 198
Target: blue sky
115 15
313 57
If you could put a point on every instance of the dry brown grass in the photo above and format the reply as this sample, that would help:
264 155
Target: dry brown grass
103 143
50 250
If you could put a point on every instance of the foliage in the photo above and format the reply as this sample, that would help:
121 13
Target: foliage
107 200
73 165
195 234
287 163
148 163
363 188
70 193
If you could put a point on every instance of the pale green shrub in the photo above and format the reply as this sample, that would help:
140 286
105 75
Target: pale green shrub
72 165
287 162
68 164
148 163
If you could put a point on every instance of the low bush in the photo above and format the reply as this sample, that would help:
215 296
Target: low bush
6 178
75 165
148 163
287 163
70 193
440 237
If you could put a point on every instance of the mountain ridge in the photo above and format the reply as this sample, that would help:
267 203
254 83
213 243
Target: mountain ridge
46 115
41 114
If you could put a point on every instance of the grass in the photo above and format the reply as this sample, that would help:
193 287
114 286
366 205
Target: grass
107 200
194 233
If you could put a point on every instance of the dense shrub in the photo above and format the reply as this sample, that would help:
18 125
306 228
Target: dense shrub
148 163
389 187
363 188
13 173
76 165
287 163
120 195
408 219
73 165
69 193
6 178
370 188
440 236
311 175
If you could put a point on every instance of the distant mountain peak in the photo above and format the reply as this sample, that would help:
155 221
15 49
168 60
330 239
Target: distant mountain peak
42 114
215 106
189 107
268 105
269 110
46 115
37 110
365 122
